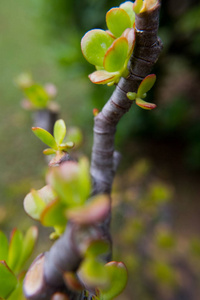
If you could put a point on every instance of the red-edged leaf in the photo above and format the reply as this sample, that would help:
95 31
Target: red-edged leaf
147 5
146 85
65 181
93 212
94 45
129 34
102 77
53 214
110 33
117 21
93 273
116 55
128 7
45 137
138 4
36 201
145 105
118 279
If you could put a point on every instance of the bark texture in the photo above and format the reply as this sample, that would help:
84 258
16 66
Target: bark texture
147 49
65 253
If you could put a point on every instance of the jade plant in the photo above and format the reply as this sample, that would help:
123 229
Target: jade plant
76 200
13 257
141 93
59 142
67 198
109 51
64 198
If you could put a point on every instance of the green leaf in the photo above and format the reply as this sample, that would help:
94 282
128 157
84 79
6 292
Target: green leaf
3 246
36 201
118 280
131 96
71 181
95 211
66 146
93 273
15 249
65 181
8 281
45 137
138 6
146 85
94 45
103 77
53 214
49 151
128 7
129 34
59 131
145 105
117 21
34 204
37 95
28 245
84 178
17 294
116 55
97 248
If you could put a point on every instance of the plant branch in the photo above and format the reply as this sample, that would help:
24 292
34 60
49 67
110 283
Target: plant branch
146 52
65 254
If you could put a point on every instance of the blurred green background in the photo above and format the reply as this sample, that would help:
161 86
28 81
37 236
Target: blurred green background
43 37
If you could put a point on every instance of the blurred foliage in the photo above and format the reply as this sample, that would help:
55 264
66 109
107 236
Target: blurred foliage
161 264
13 256
36 96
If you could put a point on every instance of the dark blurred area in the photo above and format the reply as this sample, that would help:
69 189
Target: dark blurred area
43 37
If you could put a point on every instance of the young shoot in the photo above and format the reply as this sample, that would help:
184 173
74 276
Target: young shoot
144 87
56 143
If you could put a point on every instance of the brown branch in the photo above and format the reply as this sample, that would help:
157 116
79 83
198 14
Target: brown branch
44 278
146 52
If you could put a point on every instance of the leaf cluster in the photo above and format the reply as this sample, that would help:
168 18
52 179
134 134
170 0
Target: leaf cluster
66 197
146 84
110 50
59 142
13 256
108 280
